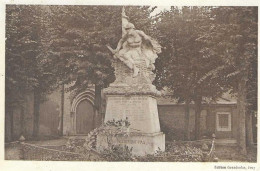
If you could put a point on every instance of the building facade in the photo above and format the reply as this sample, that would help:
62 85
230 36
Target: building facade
79 117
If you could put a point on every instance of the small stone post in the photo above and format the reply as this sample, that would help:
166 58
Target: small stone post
21 148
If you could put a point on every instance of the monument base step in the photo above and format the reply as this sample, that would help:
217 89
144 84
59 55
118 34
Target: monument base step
141 143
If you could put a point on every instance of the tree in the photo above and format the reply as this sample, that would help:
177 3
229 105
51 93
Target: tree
27 68
235 32
183 67
19 45
14 75
252 102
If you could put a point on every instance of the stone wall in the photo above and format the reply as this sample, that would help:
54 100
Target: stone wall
50 115
67 123
172 120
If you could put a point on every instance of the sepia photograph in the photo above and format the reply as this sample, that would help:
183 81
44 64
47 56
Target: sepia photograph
107 83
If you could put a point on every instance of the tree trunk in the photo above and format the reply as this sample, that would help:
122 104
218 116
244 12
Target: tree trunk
22 120
249 130
198 101
11 124
241 105
187 120
62 109
97 105
36 113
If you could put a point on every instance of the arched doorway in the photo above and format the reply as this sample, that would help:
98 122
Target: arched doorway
85 117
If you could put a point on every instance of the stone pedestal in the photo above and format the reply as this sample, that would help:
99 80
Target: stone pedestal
134 98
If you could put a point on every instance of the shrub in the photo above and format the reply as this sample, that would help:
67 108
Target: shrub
75 145
175 152
118 153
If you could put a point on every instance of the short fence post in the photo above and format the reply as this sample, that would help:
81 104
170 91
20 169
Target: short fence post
215 159
21 148
205 149
211 154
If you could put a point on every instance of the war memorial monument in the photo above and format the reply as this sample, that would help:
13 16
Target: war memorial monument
132 94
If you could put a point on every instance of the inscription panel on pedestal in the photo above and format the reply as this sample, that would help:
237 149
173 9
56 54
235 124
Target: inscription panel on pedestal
134 108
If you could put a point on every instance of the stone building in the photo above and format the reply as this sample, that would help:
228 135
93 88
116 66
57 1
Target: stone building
219 118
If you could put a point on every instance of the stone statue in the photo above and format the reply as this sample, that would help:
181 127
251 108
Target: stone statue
134 45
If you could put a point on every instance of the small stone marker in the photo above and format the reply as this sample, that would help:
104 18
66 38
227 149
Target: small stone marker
21 138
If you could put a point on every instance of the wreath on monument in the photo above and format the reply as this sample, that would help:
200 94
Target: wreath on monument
111 128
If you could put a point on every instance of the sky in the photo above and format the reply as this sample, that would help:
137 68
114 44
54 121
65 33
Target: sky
159 9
